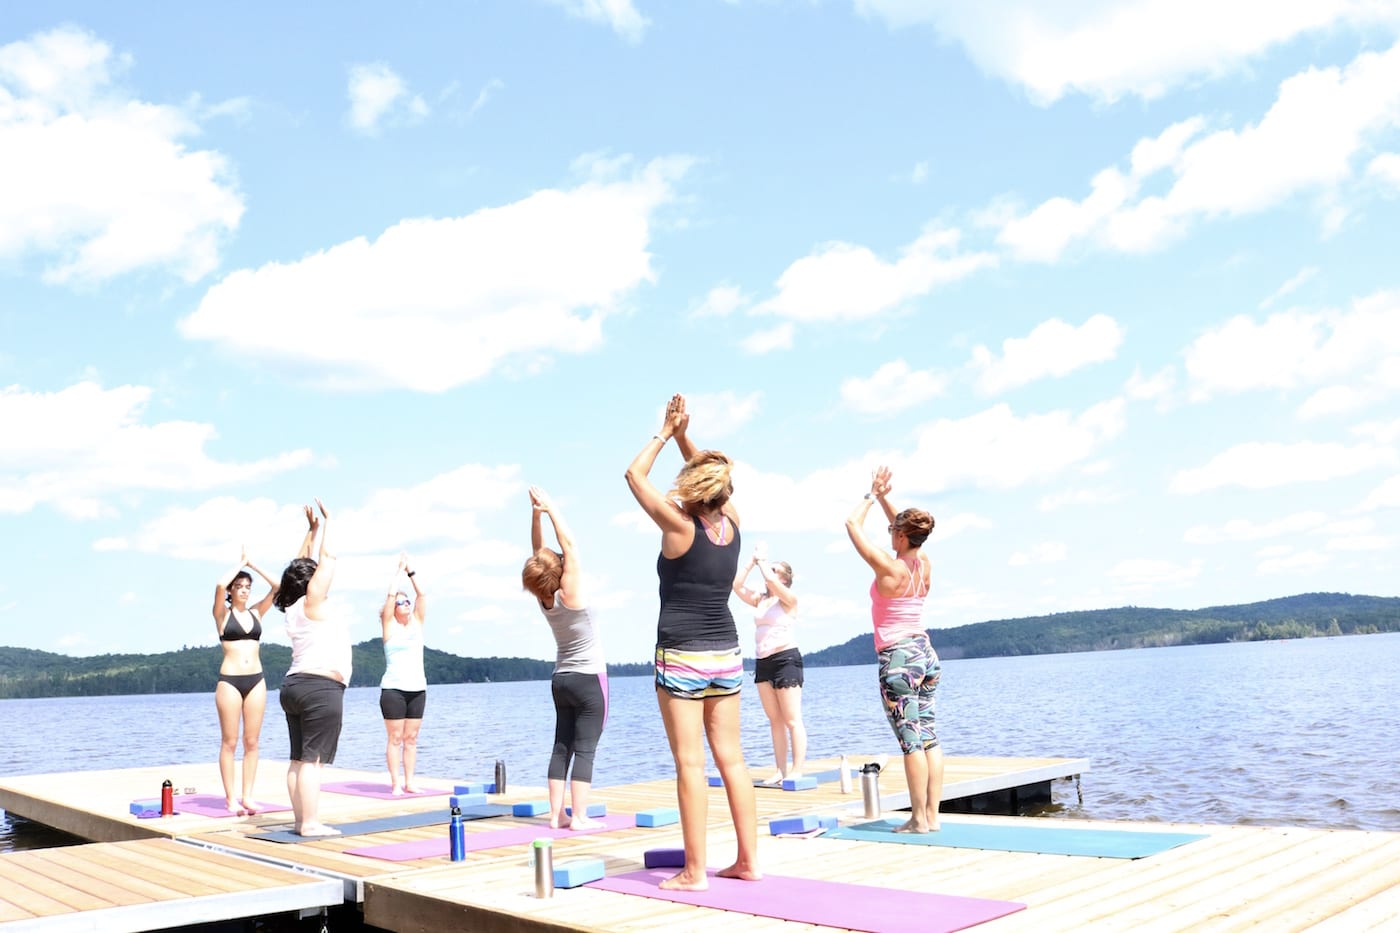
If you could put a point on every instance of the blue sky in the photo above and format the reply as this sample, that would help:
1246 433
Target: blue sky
1113 290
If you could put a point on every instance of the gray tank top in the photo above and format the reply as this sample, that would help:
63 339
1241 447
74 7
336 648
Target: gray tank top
580 651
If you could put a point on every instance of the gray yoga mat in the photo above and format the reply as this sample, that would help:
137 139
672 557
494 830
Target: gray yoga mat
387 823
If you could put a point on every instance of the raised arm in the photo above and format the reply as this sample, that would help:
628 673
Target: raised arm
319 586
264 604
571 577
881 483
221 594
386 614
312 523
671 520
777 587
886 567
420 606
740 589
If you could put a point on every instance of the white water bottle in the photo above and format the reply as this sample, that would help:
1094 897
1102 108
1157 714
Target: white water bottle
845 775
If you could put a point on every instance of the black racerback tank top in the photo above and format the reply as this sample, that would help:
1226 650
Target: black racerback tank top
695 590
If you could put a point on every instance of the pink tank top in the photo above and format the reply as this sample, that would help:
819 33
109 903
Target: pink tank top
899 617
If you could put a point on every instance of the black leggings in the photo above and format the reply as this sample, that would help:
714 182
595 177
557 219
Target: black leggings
580 711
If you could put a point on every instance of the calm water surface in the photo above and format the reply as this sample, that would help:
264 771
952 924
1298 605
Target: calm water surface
1283 733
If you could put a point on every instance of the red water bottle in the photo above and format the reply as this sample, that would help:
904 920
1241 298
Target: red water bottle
167 799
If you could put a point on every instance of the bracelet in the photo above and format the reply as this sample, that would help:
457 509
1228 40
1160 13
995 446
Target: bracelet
870 495
658 437
408 573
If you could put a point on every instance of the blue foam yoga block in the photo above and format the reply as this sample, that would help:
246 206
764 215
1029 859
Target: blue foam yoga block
579 871
661 816
806 782
664 858
793 824
140 806
530 808
829 822
594 809
466 800
715 780
472 788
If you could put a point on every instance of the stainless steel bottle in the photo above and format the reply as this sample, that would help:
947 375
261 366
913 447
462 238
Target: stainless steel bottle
500 775
543 851
870 790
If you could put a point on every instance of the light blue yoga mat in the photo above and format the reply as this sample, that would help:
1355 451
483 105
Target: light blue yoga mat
1048 840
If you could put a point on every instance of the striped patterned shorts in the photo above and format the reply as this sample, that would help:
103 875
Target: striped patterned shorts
696 675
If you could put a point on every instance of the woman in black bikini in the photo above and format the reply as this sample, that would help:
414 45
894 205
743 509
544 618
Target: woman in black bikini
241 691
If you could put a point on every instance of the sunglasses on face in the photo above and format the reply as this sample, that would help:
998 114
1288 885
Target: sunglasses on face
402 602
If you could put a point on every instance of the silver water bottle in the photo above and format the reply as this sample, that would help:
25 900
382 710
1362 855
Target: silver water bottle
500 775
543 852
870 790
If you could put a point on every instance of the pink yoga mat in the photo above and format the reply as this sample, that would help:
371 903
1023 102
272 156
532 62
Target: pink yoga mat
491 839
825 903
215 806
382 791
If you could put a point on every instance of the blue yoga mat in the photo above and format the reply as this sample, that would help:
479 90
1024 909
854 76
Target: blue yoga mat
388 823
1049 840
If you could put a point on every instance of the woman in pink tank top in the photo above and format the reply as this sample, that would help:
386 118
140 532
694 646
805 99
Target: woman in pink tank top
909 668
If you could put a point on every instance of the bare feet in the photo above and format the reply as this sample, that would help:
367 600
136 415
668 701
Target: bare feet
247 809
232 806
584 823
317 829
774 780
396 791
686 882
911 827
742 871
560 821
412 789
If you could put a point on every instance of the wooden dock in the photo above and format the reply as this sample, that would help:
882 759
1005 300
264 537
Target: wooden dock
1234 878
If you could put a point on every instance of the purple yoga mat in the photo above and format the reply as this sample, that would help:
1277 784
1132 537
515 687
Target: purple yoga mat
382 791
215 806
491 839
825 903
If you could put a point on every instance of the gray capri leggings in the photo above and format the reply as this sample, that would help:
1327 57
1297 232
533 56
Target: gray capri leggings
580 711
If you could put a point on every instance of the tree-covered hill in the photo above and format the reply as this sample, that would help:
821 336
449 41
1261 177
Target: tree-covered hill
28 673
1305 616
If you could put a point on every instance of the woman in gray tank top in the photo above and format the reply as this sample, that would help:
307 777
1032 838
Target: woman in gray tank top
580 681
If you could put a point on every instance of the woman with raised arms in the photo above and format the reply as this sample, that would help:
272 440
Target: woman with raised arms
699 668
777 667
241 691
403 690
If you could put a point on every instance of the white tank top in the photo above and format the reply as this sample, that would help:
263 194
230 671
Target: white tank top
403 657
773 628
319 644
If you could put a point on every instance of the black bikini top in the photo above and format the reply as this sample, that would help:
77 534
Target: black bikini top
234 630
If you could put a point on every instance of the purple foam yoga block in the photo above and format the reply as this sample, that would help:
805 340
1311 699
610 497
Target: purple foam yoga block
664 858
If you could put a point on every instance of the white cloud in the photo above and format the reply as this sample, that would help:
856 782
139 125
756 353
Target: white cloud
1384 496
845 282
721 301
1301 562
468 289
1301 278
1053 348
378 93
892 388
1256 465
1241 529
1047 552
721 413
1078 497
98 182
1144 572
1321 119
945 528
1361 543
488 90
1157 387
766 341
74 448
1108 49
619 15
1350 356
1381 432
1385 168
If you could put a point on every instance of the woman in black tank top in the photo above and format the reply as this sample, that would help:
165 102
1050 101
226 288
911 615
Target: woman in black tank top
698 665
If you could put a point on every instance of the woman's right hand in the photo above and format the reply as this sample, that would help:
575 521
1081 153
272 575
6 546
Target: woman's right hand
677 419
312 521
320 505
881 482
540 499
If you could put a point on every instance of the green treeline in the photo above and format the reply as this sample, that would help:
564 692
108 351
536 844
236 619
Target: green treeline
28 673
1307 616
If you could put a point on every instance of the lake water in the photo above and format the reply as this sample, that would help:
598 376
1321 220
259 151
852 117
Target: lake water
1282 733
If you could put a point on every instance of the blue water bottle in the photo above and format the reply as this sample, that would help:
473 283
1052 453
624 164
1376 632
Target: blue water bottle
457 836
